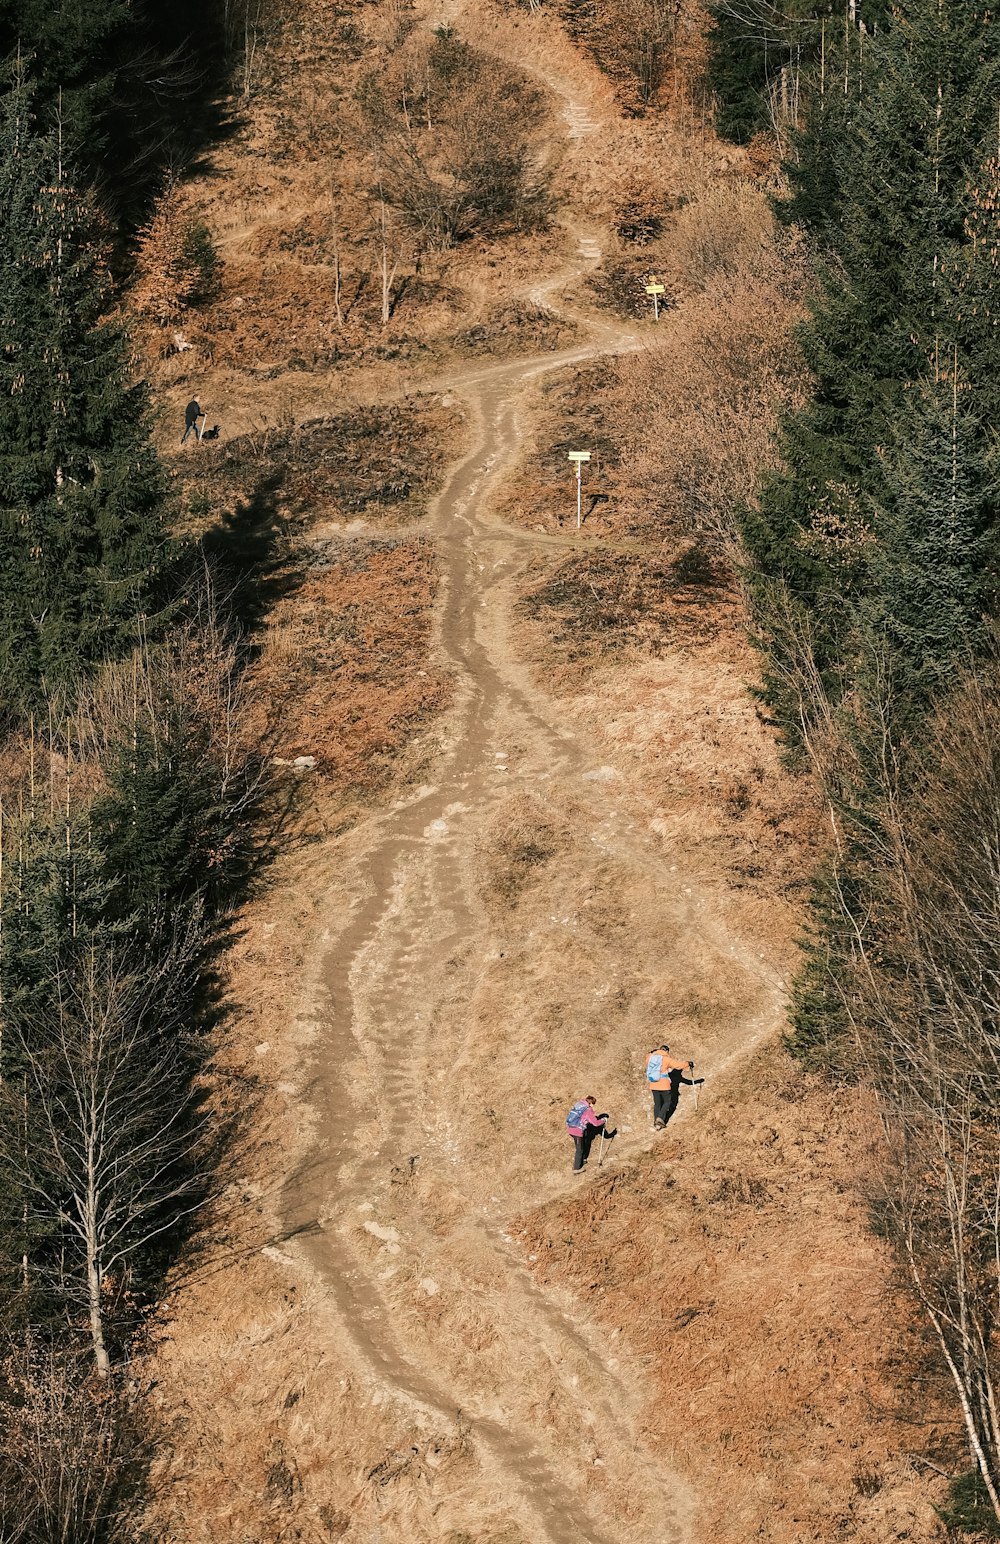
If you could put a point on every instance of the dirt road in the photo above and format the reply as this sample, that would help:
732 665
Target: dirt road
514 932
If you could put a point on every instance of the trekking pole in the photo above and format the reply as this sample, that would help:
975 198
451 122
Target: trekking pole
600 1156
697 1094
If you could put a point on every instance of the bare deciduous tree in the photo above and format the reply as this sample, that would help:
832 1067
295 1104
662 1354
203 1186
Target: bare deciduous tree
112 1157
453 141
925 1005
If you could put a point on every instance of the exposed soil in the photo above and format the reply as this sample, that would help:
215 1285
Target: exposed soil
558 852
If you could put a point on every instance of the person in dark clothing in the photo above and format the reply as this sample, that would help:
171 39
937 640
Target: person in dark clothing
673 1093
660 1068
664 1076
192 413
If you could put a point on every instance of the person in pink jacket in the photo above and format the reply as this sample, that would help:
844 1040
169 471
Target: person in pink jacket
583 1126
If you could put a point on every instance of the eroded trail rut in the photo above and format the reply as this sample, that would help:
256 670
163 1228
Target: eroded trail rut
398 964
398 1203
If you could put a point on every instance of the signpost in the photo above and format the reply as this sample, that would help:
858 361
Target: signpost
654 289
579 456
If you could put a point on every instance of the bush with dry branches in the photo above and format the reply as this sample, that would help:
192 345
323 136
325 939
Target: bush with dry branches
73 1456
700 407
453 141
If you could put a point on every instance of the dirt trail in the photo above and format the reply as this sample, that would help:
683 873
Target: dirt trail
398 1204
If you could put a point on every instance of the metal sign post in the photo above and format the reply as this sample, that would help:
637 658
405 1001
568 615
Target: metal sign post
579 456
655 289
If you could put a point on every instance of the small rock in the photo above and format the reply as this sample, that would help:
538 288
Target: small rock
387 1235
304 763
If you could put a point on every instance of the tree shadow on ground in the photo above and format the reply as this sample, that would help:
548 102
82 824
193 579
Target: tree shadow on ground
250 559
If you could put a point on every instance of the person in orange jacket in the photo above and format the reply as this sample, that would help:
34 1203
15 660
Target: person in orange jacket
665 1075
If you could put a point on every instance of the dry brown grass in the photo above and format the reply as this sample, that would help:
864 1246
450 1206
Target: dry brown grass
737 1261
779 1401
346 670
519 840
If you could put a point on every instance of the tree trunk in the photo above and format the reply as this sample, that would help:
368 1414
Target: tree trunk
94 1293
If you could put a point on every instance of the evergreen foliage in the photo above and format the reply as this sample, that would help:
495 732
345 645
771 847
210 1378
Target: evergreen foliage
171 824
132 85
84 556
751 43
899 294
932 559
874 557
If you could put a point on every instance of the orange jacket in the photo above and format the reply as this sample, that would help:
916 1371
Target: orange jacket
668 1063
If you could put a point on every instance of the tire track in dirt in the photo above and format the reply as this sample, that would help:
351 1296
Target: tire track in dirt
414 918
394 980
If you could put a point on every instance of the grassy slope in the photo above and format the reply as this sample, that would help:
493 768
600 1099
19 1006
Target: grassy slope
780 1388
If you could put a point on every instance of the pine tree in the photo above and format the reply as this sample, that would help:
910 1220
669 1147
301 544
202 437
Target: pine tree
974 286
932 563
164 826
885 306
85 562
132 85
739 60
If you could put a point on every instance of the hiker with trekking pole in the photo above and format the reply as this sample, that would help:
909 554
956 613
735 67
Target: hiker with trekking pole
583 1126
194 420
664 1075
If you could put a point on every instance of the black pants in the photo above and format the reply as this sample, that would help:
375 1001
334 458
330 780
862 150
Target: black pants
191 429
664 1103
583 1145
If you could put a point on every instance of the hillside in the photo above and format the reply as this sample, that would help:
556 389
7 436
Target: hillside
545 823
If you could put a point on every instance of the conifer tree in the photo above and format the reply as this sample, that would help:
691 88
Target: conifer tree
131 83
973 279
885 307
84 555
165 825
932 565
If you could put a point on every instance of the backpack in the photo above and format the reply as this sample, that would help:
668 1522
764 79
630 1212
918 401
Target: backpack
575 1116
654 1068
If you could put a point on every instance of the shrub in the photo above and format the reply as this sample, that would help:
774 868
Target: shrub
177 265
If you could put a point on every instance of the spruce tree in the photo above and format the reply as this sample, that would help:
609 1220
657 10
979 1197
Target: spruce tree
885 307
973 279
85 561
932 565
131 83
168 835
